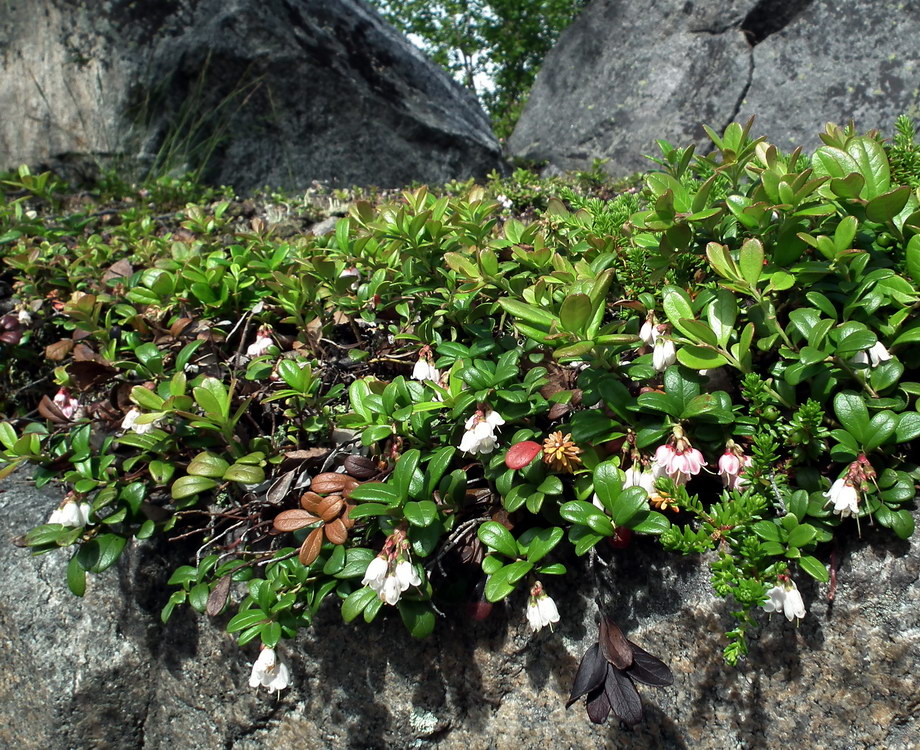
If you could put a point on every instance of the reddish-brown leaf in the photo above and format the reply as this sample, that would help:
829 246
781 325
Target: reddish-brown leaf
330 507
311 547
292 520
310 501
49 410
336 532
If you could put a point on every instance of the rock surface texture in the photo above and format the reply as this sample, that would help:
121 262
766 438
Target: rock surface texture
625 74
267 92
103 672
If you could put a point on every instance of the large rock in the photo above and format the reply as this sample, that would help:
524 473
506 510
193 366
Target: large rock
625 74
266 92
103 672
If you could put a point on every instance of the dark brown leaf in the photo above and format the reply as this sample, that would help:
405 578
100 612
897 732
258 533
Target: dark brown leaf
311 547
217 599
360 467
292 520
614 646
649 669
49 410
598 706
88 374
558 411
590 674
623 697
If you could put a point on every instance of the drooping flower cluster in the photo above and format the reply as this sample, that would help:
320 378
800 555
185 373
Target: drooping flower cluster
480 432
71 513
873 356
541 609
677 459
391 573
732 465
65 402
130 422
424 369
846 491
785 598
262 343
270 671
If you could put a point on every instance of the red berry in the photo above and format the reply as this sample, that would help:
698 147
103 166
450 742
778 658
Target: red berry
622 539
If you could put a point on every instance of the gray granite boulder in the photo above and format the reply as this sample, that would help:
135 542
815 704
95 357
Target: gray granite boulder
104 672
266 92
626 74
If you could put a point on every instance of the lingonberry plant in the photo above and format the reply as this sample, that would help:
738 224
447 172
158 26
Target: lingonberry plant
452 398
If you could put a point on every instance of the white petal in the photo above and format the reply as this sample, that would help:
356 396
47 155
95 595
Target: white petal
548 611
533 616
793 606
776 598
391 591
375 573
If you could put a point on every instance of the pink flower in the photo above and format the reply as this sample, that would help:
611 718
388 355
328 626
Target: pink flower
65 402
679 461
732 464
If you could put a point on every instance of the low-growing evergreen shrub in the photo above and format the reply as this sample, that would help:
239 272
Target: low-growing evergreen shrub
451 398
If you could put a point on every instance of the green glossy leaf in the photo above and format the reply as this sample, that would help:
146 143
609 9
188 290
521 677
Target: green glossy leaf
815 568
497 537
853 415
542 542
700 358
575 313
207 465
417 617
421 513
722 313
354 604
191 485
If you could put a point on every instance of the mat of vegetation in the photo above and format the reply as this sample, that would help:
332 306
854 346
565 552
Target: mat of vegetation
457 393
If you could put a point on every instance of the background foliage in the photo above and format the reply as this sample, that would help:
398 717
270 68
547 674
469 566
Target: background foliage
495 48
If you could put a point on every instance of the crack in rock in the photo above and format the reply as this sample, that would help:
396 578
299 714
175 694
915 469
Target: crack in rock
769 17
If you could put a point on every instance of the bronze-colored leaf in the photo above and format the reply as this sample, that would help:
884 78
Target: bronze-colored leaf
49 410
178 328
331 481
118 270
346 518
217 599
311 547
58 350
292 520
330 507
336 532
310 501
